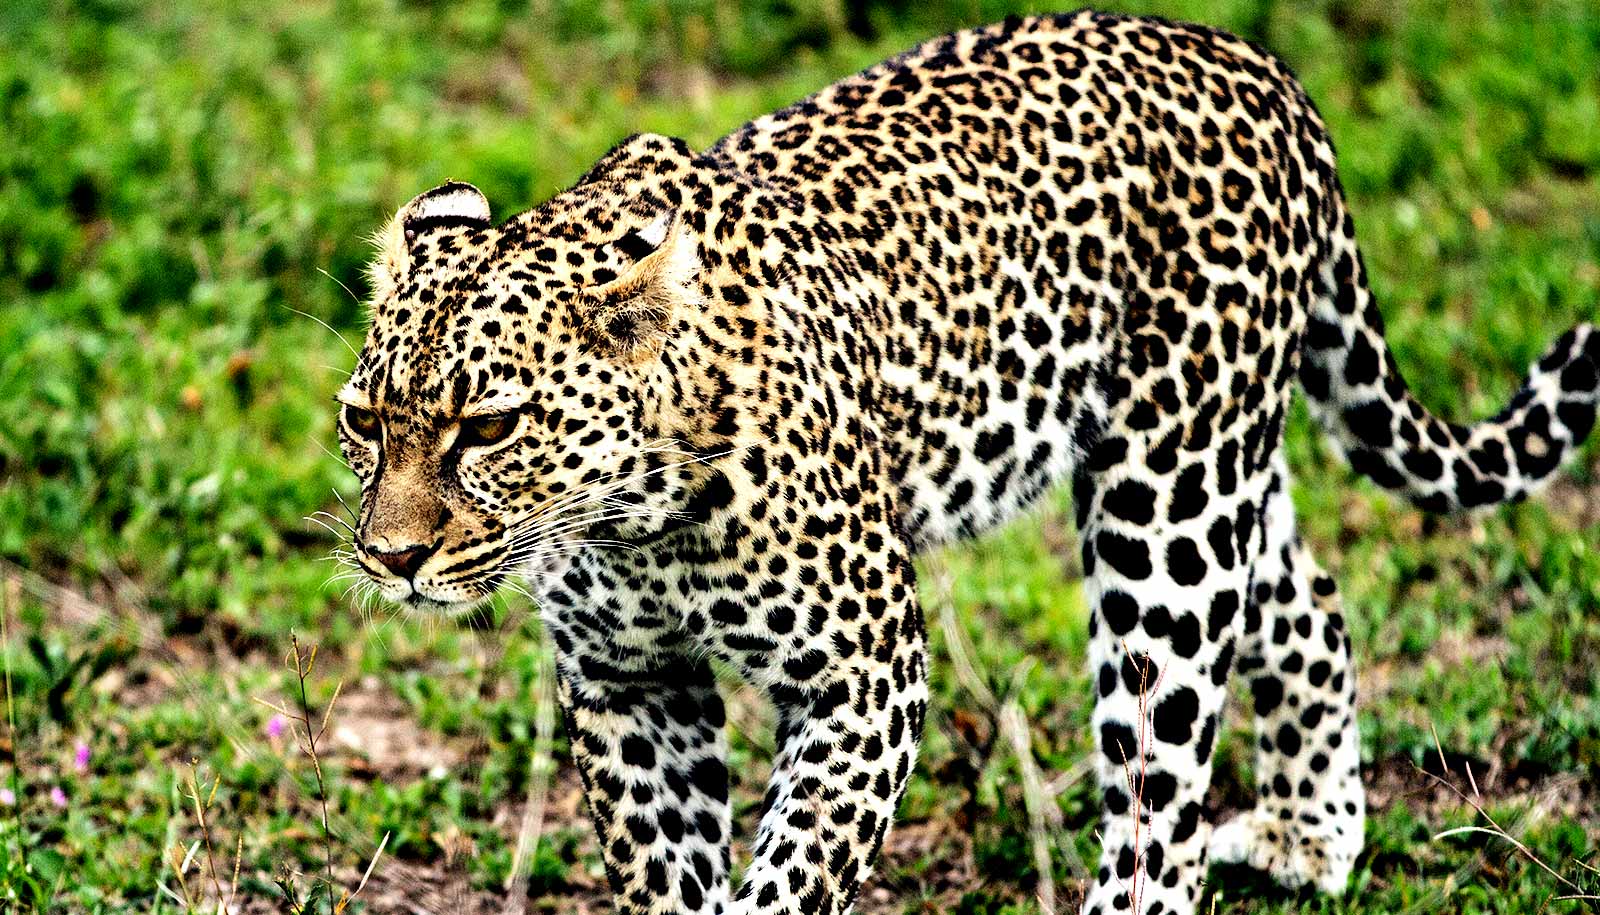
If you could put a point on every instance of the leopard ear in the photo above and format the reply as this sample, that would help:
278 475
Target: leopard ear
629 317
453 203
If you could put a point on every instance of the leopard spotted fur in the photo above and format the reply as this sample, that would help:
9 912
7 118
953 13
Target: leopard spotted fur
710 404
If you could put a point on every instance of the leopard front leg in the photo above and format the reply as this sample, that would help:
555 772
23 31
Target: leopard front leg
852 694
649 744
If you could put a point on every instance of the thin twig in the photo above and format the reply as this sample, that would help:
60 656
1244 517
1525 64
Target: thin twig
1146 688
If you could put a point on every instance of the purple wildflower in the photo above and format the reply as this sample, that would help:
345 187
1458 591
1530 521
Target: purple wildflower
58 797
80 759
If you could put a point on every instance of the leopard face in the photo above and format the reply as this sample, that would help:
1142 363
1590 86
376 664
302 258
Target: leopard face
497 410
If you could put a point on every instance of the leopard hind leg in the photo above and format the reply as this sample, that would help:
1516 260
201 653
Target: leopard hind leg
1306 827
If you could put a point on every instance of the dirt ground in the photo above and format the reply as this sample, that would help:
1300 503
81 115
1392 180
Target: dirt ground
375 737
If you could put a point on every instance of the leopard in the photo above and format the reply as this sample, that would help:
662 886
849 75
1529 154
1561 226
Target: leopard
708 406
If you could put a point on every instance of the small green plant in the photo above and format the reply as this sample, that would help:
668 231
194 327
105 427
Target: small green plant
324 894
61 670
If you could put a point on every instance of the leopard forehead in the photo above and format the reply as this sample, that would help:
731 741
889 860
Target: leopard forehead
481 318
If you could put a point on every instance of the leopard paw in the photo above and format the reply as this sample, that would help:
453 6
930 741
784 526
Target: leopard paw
1293 852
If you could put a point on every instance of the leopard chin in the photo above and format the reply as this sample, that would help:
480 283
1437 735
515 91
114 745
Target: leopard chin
424 599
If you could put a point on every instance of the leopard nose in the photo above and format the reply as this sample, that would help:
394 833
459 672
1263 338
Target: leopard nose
403 562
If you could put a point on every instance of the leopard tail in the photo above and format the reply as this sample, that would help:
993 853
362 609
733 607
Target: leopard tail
1358 393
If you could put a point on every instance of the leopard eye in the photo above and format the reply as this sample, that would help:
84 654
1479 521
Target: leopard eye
363 423
487 430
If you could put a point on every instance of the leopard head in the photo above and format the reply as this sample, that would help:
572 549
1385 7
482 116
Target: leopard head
506 398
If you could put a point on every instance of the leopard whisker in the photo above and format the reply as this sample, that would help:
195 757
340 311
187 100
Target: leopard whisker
325 526
616 482
337 520
338 457
328 326
561 525
558 529
354 518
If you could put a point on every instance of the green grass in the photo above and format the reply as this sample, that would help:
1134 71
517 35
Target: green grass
180 179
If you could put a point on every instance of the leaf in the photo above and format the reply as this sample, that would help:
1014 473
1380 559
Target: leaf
110 654
47 863
41 653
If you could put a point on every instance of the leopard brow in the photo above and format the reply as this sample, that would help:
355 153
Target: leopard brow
492 408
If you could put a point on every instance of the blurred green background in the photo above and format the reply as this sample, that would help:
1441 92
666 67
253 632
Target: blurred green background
179 181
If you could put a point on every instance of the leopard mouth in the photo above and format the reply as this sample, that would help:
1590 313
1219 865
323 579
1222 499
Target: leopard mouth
417 602
466 596
468 590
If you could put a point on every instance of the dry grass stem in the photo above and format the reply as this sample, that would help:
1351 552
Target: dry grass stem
347 898
540 768
955 639
304 663
1045 826
1494 828
179 862
200 808
1014 725
9 598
